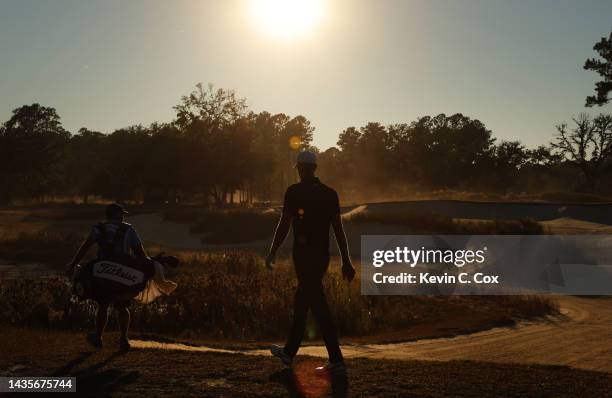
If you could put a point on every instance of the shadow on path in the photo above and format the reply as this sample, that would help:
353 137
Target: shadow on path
297 387
94 380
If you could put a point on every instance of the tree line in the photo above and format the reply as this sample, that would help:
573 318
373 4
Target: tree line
214 151
217 151
459 153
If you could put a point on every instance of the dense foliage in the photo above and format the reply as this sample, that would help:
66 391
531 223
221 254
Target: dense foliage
218 152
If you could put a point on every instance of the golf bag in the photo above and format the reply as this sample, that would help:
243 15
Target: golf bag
111 277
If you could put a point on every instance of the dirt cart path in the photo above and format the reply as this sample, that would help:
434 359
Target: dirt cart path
580 338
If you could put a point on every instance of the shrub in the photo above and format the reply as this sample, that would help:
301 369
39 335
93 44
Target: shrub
52 248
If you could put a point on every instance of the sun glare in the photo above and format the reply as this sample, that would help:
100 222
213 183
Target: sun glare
287 19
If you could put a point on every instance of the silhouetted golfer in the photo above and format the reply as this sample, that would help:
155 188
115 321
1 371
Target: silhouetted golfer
312 207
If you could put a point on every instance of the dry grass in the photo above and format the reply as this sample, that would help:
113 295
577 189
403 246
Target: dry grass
52 248
230 295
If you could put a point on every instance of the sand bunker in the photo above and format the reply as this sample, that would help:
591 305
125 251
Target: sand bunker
581 338
153 228
558 218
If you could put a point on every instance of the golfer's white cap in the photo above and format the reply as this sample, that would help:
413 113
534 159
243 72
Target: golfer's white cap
307 157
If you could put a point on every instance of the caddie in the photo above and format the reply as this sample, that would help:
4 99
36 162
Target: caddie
121 258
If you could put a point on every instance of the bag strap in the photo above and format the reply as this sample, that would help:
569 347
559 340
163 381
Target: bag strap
119 237
105 245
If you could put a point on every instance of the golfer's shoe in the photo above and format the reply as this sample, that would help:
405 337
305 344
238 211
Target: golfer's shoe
279 352
332 369
94 340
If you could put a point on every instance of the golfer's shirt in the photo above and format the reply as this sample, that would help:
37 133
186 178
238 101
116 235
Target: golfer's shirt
312 206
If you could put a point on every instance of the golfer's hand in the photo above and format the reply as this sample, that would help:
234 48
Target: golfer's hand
348 272
271 259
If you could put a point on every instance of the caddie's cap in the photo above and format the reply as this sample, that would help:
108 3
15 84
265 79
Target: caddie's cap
114 210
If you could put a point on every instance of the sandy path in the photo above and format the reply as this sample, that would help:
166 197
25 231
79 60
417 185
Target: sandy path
581 338
154 229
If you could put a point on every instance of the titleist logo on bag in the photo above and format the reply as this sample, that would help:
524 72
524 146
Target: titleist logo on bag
118 273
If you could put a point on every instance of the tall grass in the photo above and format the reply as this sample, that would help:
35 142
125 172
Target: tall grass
52 248
232 295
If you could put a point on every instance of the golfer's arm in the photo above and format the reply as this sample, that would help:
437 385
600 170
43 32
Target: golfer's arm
81 252
282 229
340 237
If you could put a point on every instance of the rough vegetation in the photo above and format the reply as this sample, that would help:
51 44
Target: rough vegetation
232 295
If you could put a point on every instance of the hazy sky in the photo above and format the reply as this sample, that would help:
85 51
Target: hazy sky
516 65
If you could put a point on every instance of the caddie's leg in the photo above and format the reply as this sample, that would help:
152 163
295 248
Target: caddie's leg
124 321
101 319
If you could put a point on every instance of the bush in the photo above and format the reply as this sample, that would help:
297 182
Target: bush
52 248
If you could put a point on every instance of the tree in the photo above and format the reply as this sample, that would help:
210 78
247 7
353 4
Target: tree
448 151
164 164
431 152
604 69
348 143
208 119
213 108
330 167
543 156
588 145
508 158
349 139
32 144
364 157
84 161
269 153
125 153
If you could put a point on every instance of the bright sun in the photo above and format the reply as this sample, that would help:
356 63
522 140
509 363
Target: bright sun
287 19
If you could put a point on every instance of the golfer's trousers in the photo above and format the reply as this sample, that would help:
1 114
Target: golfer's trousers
310 267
